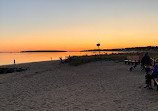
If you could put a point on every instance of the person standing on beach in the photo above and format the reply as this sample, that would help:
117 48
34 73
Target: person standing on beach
152 76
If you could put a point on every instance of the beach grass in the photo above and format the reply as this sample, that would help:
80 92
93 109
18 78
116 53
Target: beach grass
118 57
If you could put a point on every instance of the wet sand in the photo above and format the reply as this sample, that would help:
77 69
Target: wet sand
96 86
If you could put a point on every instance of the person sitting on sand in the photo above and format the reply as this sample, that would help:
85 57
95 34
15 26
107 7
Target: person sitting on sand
152 76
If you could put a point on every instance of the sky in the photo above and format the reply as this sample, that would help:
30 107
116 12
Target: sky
75 25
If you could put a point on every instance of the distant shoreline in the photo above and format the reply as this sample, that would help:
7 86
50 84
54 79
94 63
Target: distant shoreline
43 51
147 48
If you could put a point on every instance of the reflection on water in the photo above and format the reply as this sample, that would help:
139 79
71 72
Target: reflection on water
8 58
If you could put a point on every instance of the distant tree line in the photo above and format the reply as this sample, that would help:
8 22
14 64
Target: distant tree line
148 48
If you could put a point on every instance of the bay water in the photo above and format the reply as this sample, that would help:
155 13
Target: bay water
8 58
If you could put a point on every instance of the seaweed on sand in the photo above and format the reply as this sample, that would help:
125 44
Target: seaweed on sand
11 70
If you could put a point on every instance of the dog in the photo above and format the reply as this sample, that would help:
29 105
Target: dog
133 67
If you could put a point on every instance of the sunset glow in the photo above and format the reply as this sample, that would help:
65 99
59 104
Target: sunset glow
75 25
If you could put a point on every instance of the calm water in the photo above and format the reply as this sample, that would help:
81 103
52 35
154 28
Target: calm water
8 58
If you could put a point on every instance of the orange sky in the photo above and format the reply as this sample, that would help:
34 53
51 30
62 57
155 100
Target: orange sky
75 26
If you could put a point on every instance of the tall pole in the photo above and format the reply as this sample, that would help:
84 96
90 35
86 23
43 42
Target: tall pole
99 50
98 47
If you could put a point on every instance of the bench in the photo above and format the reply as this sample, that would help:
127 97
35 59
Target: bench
132 60
156 81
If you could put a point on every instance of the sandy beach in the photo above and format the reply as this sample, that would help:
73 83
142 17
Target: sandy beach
96 86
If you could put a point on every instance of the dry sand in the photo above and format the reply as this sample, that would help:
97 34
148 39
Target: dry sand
97 86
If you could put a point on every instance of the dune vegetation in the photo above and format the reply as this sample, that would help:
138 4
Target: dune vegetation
119 57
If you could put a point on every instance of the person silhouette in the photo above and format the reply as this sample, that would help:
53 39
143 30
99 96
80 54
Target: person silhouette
152 76
146 61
